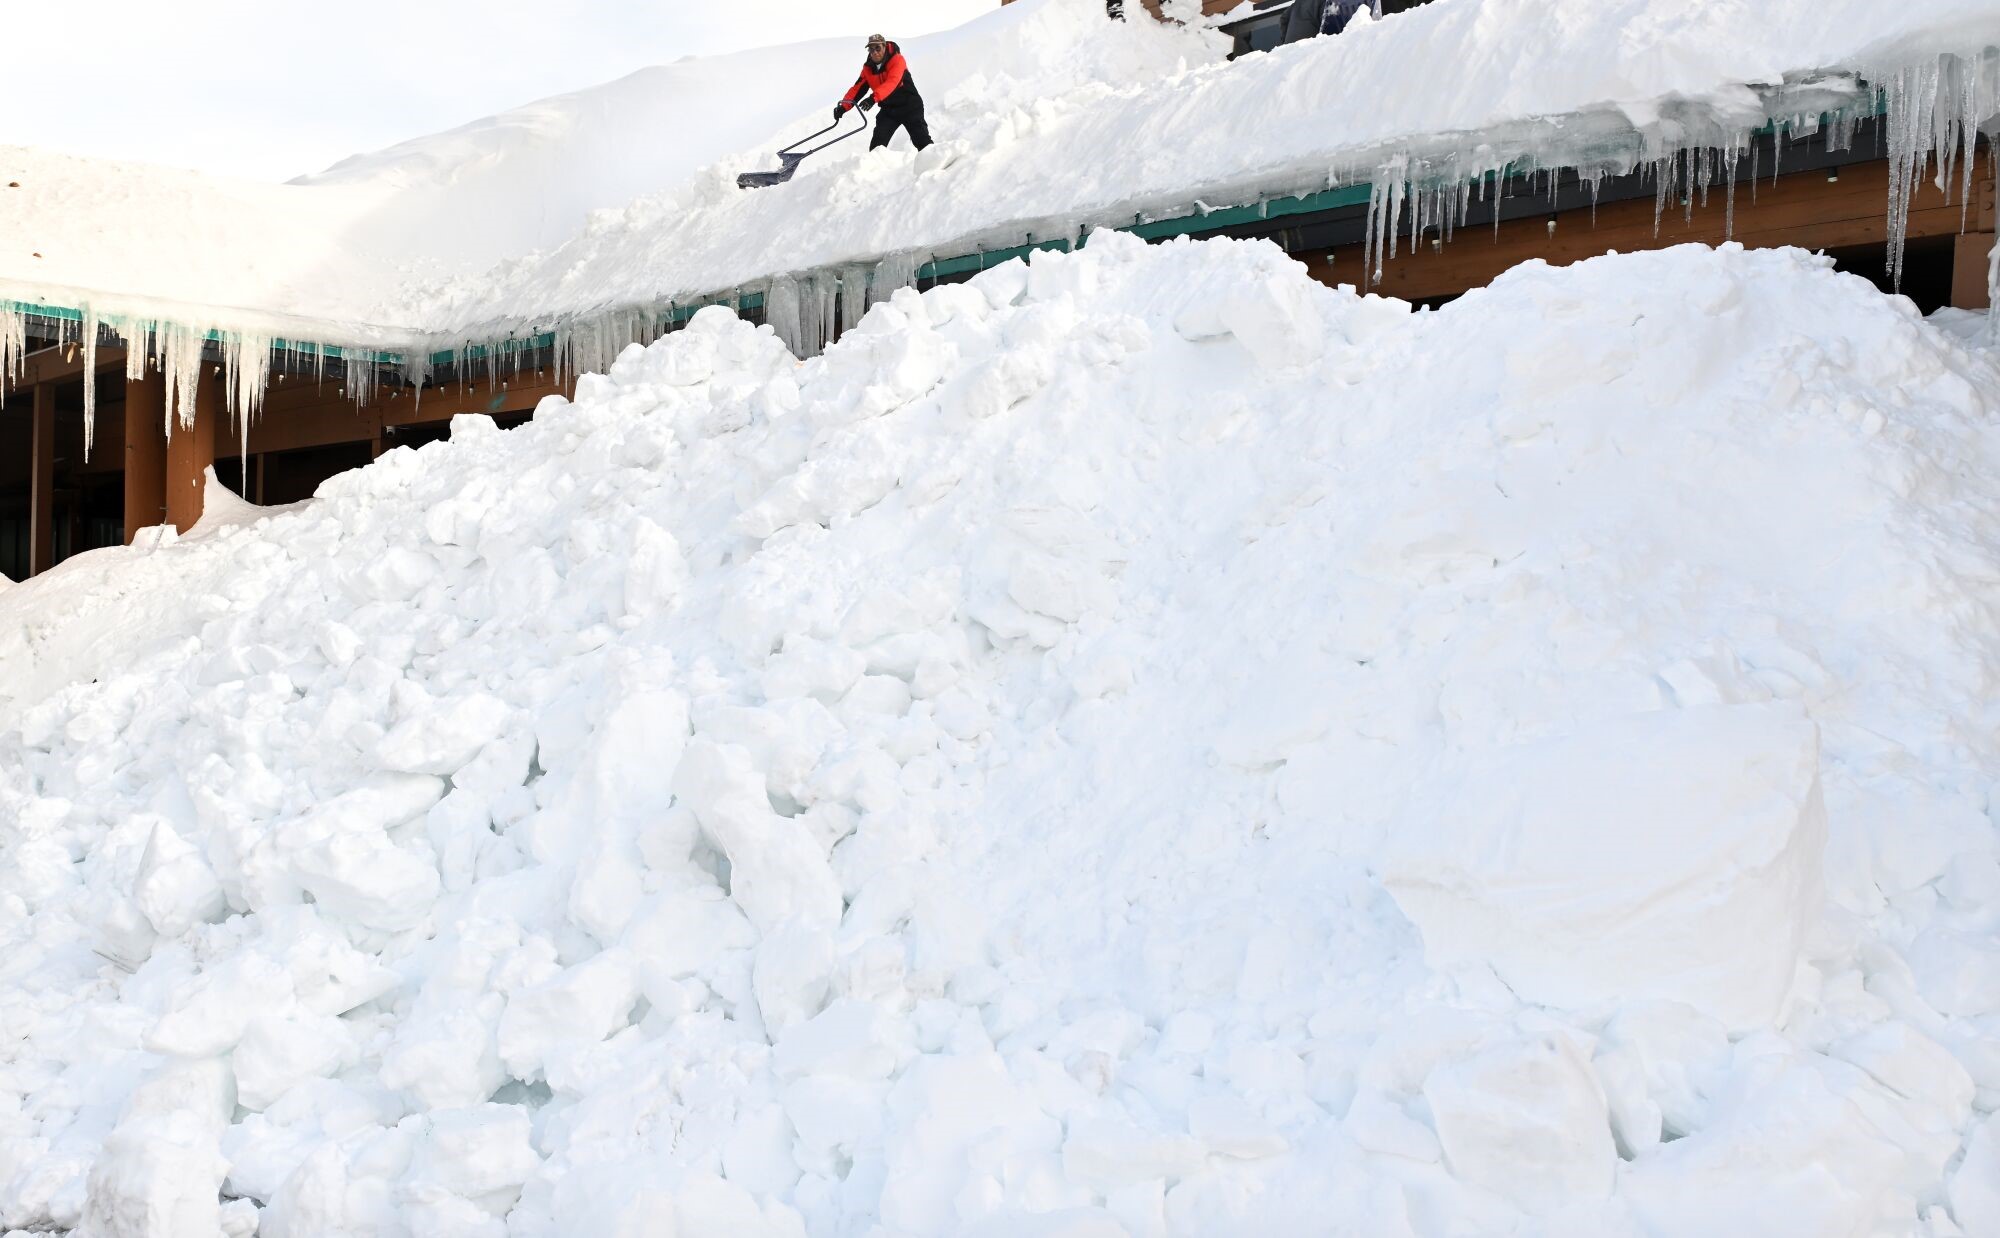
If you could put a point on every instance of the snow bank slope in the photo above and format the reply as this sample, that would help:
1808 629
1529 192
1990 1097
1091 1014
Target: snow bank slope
973 782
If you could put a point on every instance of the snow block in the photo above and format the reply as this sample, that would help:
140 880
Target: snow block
1636 860
157 1176
1526 1120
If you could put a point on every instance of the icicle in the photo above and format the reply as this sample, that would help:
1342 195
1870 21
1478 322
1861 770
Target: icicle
1993 275
179 351
1969 118
362 377
246 368
1663 185
893 272
1912 99
1377 210
417 371
853 297
138 349
781 313
13 346
1729 199
89 380
1398 190
826 287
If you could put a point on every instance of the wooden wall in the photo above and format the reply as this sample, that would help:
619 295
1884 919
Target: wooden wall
1813 210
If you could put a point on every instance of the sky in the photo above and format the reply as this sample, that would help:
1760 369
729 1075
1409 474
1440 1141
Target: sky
272 89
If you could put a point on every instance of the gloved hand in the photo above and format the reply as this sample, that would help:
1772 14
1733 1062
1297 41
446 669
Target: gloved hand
839 110
868 101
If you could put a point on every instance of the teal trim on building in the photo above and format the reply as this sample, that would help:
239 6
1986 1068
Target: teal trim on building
1197 223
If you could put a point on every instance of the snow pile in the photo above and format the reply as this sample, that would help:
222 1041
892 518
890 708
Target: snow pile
1137 744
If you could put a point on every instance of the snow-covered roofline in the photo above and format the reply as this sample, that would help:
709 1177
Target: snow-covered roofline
1602 87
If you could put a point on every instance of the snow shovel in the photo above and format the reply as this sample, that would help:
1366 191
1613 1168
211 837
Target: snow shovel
789 158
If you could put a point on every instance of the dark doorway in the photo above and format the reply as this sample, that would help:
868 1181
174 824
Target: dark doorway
1927 269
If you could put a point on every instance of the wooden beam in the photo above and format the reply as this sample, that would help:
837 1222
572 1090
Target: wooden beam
190 452
65 361
145 453
316 424
444 403
301 415
1971 271
1817 210
42 482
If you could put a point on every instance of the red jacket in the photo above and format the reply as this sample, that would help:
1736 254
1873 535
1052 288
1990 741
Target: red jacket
881 82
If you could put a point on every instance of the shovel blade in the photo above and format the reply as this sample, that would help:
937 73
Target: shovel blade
761 180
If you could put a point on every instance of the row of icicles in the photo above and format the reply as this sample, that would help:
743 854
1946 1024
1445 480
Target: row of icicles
1933 116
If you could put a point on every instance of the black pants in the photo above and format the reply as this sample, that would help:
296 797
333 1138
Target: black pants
908 116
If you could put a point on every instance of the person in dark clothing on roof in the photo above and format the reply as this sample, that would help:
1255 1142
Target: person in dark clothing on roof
886 82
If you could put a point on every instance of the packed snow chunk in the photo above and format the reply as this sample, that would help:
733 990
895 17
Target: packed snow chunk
1634 860
958 1127
1916 1068
641 1197
793 972
176 888
1957 973
681 932
1527 1120
481 1153
369 880
1794 1146
777 870
1230 1127
655 573
1106 1153
850 1039
1975 1186
277 1055
157 1177
1660 1063
578 1007
210 1015
440 737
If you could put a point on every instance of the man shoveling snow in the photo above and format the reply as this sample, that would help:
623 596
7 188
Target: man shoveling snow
885 78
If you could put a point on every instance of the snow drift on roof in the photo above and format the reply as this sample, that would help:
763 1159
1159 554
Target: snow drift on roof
1052 119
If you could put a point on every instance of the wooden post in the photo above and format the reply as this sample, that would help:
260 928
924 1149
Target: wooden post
42 482
190 452
145 453
1969 270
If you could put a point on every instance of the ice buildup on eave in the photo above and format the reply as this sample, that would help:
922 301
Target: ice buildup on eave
1595 89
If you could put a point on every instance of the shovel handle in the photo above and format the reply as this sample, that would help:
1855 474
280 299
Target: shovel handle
792 151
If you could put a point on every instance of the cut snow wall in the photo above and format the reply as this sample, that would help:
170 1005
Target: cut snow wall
1642 859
